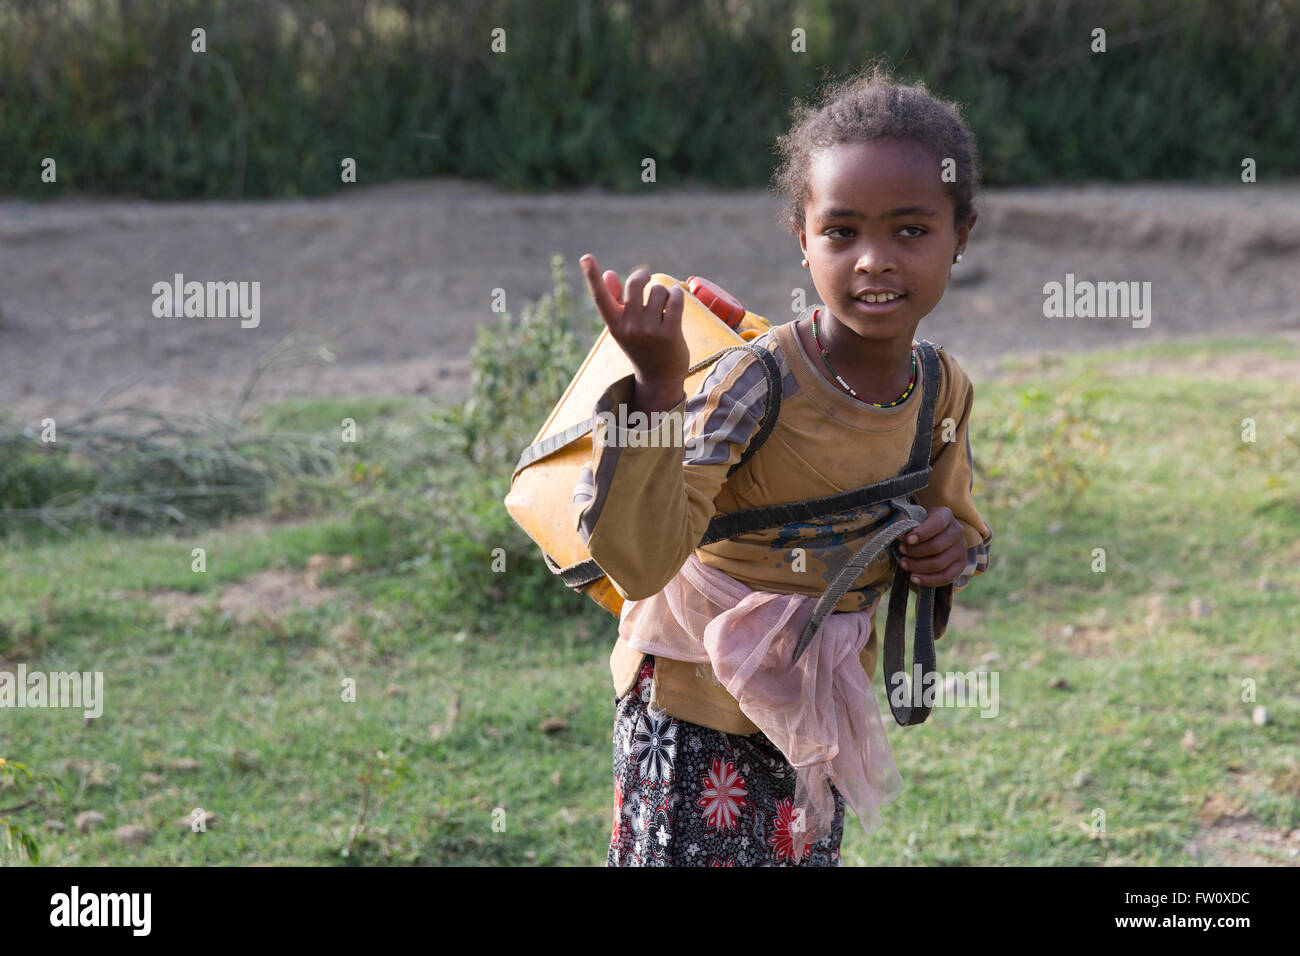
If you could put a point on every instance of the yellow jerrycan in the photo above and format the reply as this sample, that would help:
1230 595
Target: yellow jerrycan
541 490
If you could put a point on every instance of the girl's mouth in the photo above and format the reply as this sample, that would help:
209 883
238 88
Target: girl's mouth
879 303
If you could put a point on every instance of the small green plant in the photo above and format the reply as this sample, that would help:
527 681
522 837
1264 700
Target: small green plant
15 777
382 776
1048 446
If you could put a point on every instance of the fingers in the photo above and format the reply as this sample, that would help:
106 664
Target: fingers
603 293
648 310
673 311
636 283
936 523
939 555
646 320
929 547
615 286
937 562
947 575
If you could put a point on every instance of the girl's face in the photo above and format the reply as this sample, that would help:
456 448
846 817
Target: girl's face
878 220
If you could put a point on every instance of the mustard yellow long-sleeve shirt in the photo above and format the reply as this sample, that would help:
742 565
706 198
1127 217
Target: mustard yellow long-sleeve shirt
647 497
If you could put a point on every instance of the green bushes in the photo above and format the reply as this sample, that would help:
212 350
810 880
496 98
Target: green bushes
584 91
435 501
521 367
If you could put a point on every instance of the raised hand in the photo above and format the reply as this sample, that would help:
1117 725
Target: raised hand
647 328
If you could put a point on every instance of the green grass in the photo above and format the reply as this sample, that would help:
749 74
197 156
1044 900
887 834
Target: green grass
1073 454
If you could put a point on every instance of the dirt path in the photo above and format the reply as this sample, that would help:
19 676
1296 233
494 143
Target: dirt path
405 272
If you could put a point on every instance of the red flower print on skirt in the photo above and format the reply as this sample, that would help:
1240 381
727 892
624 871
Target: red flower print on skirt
686 795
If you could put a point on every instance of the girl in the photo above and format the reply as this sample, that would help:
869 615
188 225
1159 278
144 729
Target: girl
726 752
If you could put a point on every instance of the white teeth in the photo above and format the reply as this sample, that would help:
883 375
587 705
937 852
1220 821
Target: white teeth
882 297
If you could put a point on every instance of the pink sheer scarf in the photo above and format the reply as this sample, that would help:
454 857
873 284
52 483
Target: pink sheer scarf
821 711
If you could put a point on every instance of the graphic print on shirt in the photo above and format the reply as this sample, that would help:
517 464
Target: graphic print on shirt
828 542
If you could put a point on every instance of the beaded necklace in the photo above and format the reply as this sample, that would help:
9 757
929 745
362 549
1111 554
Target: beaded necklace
826 358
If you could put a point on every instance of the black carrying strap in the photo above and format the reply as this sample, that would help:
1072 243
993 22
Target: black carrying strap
751 520
911 514
576 576
897 681
584 573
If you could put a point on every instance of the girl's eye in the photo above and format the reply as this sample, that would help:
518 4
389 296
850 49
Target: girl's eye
831 233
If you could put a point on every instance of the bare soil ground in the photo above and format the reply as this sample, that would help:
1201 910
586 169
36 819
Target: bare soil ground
404 274
268 595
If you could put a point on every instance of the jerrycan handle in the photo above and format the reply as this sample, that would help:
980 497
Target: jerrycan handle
717 300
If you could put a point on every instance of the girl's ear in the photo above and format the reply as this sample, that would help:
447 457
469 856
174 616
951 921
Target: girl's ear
963 231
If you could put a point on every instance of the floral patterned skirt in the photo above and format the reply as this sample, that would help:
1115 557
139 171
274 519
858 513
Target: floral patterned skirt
686 795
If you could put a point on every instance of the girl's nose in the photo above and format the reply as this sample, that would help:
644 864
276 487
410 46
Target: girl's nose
874 262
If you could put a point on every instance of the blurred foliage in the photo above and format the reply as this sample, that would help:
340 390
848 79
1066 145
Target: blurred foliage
423 495
585 89
434 500
520 368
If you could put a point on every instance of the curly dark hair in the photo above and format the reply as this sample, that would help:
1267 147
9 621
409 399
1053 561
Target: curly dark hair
868 106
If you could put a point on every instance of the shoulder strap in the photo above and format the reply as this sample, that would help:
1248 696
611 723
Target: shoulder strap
772 409
910 516
771 371
931 371
913 711
549 446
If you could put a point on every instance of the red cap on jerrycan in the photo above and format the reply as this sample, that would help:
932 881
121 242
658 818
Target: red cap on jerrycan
717 300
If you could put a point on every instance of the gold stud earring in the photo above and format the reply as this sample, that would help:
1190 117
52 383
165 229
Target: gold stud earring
804 263
958 259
